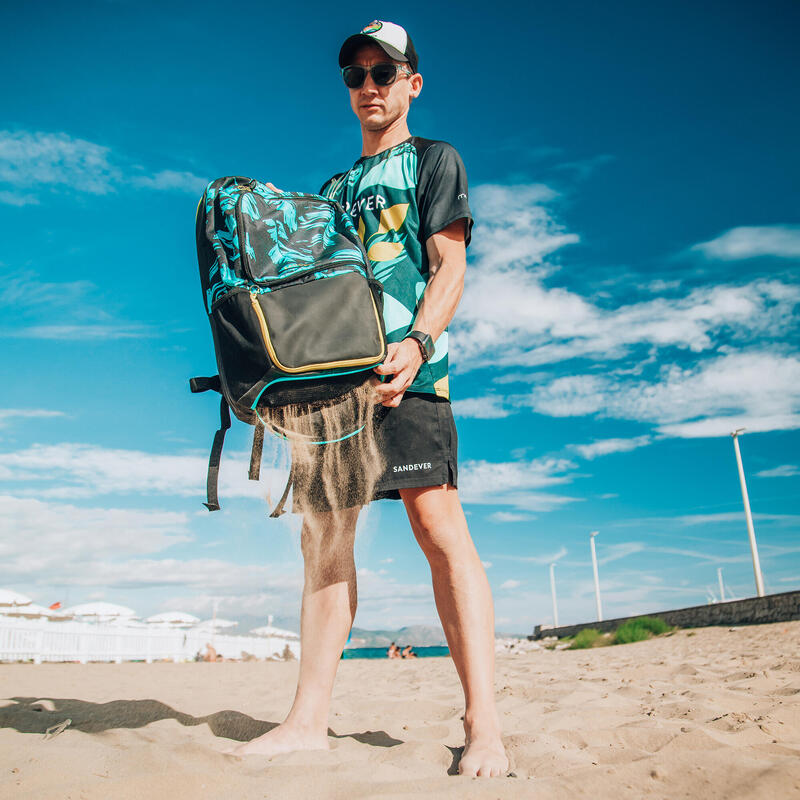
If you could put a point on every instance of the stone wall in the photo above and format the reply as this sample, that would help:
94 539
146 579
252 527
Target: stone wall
750 611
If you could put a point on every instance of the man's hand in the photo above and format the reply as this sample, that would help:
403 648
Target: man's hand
403 360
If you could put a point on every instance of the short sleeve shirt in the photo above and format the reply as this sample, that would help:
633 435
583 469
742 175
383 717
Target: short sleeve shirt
397 200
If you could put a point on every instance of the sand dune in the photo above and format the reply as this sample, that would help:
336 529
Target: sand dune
711 713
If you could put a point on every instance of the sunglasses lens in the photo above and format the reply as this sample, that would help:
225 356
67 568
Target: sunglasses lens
384 74
353 76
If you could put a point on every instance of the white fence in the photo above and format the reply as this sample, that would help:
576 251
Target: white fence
42 640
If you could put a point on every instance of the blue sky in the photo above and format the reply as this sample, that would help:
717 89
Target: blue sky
631 297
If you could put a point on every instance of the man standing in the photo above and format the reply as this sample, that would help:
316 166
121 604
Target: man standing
407 197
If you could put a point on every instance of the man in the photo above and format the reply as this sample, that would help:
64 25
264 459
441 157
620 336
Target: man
408 200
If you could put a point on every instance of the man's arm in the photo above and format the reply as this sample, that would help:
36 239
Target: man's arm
447 260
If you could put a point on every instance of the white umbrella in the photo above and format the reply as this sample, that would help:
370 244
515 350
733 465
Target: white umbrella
268 630
31 610
175 619
213 624
101 612
8 597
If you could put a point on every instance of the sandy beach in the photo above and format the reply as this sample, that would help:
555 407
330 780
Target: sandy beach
707 713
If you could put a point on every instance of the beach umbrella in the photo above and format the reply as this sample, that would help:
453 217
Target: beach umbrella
101 612
214 624
31 611
268 630
10 598
176 619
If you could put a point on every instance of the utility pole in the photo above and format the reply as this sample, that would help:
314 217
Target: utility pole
721 585
596 577
553 592
748 516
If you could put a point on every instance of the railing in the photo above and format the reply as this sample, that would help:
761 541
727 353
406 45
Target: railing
43 640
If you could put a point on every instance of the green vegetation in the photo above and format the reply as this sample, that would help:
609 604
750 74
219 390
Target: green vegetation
634 630
588 637
639 629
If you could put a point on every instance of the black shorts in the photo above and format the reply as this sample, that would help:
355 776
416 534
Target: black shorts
419 444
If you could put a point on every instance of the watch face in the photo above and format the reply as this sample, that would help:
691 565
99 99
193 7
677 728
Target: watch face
425 343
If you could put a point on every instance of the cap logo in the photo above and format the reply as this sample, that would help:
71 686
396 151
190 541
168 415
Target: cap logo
373 27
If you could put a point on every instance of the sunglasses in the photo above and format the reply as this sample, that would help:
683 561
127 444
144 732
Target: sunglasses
382 74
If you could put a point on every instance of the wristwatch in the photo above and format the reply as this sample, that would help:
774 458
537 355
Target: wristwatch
424 341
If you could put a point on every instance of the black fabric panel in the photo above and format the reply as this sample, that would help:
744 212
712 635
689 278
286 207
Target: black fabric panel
241 355
311 390
331 319
442 193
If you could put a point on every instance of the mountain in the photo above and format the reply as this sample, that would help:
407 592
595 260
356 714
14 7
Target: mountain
416 635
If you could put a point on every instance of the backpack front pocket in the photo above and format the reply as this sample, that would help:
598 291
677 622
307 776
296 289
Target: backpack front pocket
325 324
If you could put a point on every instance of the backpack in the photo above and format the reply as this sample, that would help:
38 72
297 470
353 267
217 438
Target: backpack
296 314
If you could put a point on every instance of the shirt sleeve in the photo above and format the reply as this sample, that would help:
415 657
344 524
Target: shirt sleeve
442 195
326 185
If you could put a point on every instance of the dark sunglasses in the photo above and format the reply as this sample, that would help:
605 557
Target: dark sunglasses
382 74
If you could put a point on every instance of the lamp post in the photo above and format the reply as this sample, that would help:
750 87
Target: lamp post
596 577
721 585
553 592
748 516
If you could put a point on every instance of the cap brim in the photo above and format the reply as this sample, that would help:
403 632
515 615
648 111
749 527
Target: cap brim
352 43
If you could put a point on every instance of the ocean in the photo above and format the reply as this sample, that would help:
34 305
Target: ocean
380 652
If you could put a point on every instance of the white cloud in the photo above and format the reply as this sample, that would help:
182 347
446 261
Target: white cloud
547 558
602 447
170 180
730 516
782 241
758 390
783 471
614 552
43 538
55 159
510 516
510 584
17 199
515 483
71 470
7 414
509 316
59 161
89 332
486 564
487 407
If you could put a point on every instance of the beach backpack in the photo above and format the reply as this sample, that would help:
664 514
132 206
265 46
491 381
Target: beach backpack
295 311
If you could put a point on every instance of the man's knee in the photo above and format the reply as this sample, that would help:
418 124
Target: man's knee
438 522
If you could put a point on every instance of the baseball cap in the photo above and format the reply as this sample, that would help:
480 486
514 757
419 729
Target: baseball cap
391 38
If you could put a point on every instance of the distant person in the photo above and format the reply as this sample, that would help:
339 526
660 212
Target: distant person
393 651
210 654
407 197
408 652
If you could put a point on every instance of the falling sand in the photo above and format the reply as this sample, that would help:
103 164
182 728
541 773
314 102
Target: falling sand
336 458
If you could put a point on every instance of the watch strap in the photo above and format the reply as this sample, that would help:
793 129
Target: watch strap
425 343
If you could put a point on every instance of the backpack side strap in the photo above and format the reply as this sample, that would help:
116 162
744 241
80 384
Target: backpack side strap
212 480
279 508
213 384
255 453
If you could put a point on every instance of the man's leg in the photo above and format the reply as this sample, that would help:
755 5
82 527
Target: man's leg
329 606
464 603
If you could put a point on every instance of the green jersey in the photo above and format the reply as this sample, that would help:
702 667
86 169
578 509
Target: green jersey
398 199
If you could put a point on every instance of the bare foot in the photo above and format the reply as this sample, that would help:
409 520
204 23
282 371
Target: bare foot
484 756
281 739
